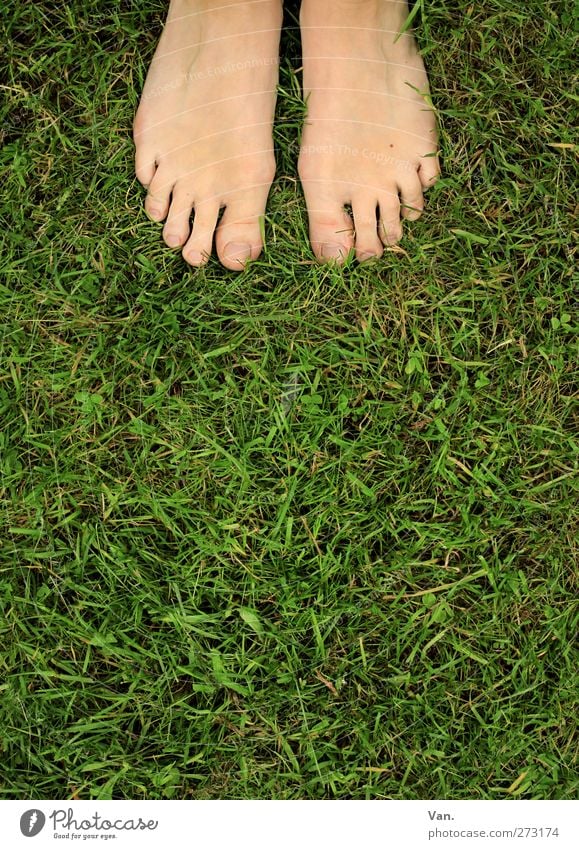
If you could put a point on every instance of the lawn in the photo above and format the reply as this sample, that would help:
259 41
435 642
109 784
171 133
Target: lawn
300 532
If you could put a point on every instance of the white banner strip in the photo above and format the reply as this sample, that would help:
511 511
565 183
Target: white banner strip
295 824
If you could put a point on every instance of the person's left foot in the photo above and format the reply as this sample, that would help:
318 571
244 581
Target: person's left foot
370 135
203 130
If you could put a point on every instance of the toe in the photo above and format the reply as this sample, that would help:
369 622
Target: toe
411 198
390 227
235 255
331 230
429 171
238 236
158 196
368 244
198 248
177 226
145 166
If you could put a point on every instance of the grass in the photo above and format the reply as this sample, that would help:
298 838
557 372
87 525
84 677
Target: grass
299 532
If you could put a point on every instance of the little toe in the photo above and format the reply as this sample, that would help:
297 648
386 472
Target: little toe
198 248
368 244
411 198
429 171
390 226
158 196
178 224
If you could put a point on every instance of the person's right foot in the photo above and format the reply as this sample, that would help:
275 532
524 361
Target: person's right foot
203 130
370 138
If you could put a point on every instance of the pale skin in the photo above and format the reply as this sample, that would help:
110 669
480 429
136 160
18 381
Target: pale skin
203 130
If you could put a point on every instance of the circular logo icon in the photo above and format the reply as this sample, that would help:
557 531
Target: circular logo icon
32 822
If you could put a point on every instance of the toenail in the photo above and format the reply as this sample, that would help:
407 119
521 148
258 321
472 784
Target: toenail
173 240
366 255
237 252
392 236
195 258
154 214
333 251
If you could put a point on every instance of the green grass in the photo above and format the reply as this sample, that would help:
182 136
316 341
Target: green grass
298 532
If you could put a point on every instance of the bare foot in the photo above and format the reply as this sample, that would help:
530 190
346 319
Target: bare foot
370 135
203 130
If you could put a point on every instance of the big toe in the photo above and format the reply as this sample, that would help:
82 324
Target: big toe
145 165
235 254
238 238
331 232
158 196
